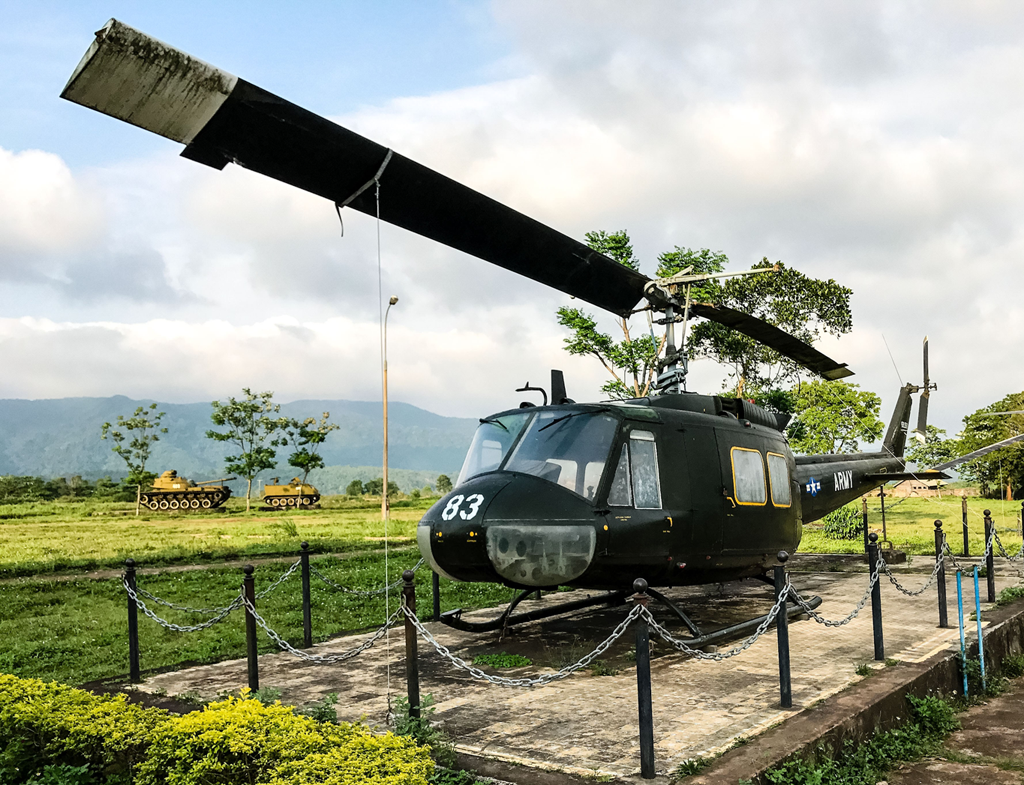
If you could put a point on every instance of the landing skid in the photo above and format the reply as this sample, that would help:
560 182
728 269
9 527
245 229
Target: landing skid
454 618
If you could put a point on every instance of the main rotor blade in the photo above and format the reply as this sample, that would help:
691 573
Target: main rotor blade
774 338
978 453
223 119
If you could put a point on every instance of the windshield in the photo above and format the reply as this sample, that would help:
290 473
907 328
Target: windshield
567 449
491 443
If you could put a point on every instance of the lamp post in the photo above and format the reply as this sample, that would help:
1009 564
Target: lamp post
384 508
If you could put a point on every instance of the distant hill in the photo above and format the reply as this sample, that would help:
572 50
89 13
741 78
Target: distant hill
61 437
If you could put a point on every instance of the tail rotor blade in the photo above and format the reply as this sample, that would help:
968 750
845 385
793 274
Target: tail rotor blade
922 412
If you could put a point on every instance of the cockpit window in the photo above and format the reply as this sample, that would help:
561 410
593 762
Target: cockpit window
567 449
637 482
491 443
620 494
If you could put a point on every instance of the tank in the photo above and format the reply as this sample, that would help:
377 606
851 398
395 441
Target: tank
171 492
293 494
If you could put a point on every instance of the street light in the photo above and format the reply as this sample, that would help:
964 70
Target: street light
384 507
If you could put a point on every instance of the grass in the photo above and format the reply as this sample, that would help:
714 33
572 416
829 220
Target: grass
910 526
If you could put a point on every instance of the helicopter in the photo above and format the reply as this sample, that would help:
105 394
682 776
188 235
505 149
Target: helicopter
676 487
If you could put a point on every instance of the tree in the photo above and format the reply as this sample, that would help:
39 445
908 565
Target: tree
444 484
355 488
833 417
133 439
307 436
1003 468
374 487
251 429
802 306
935 450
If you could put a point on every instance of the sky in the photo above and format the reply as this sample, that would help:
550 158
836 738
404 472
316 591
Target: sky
874 143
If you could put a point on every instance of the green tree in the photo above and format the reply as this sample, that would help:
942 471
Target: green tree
251 430
355 488
374 487
307 435
444 484
1002 469
833 417
800 305
133 439
935 450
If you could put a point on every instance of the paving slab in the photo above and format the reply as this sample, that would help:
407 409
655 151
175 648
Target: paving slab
586 724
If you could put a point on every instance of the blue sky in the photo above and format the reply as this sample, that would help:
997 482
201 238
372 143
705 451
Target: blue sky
874 143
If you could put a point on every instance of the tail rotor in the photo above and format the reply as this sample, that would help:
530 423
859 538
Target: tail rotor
921 432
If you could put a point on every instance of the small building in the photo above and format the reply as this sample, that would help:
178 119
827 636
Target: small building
925 488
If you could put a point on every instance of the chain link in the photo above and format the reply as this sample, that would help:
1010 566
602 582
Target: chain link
476 673
908 592
666 636
357 592
140 592
1002 549
287 574
319 659
236 603
840 622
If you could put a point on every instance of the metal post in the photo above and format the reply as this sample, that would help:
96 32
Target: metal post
981 638
249 588
134 672
940 579
412 671
307 603
782 627
864 512
960 610
435 585
885 534
963 513
876 598
990 577
643 683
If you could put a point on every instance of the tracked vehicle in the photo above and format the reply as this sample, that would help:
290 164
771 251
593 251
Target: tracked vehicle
293 494
171 492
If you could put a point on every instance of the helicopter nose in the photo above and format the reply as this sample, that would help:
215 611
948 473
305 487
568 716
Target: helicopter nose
540 555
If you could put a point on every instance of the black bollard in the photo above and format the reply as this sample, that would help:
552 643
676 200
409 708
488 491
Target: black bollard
940 579
134 673
963 515
249 590
435 585
412 671
876 598
307 604
990 578
864 512
782 627
643 683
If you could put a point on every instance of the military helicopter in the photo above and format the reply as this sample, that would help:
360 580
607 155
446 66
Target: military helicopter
676 487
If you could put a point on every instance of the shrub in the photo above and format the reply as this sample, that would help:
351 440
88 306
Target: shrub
423 732
846 523
502 660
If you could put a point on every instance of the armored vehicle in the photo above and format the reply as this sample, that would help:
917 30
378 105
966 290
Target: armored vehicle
171 492
293 494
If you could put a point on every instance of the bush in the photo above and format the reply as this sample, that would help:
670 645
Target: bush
846 523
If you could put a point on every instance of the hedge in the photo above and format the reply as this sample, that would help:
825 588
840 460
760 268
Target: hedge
55 733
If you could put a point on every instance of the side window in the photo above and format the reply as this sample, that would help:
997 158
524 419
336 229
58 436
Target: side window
778 472
620 495
646 482
748 476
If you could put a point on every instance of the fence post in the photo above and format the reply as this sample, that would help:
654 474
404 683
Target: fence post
864 512
981 637
782 627
435 585
941 577
990 577
134 673
876 598
963 514
249 589
960 611
307 604
412 671
643 682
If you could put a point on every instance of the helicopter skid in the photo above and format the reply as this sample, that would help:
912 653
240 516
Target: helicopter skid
454 618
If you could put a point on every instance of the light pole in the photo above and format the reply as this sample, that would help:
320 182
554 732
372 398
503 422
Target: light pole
384 507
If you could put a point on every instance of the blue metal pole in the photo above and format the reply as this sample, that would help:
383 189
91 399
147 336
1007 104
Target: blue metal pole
981 638
960 608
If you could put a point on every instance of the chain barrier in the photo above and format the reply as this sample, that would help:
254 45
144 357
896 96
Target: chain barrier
916 592
476 673
1002 549
666 636
236 603
890 506
357 592
140 592
948 554
320 659
853 614
287 574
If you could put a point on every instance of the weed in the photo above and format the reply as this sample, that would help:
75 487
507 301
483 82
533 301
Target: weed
502 660
287 526
602 668
890 662
423 732
1010 594
445 776
322 710
864 670
268 696
190 697
689 767
1013 666
630 654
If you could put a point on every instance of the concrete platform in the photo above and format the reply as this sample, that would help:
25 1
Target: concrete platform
587 724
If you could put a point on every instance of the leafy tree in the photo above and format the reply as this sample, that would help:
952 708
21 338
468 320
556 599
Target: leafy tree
374 487
802 306
935 450
834 416
133 439
1004 468
444 484
251 429
307 435
355 488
